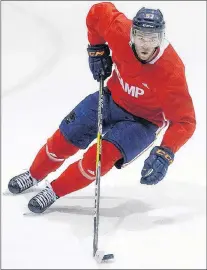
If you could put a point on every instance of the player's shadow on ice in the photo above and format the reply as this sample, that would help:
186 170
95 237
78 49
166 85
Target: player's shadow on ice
127 213
124 209
130 214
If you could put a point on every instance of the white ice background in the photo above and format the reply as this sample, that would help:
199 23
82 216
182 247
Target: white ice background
45 74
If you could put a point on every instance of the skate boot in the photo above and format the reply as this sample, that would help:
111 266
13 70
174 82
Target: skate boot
42 200
21 182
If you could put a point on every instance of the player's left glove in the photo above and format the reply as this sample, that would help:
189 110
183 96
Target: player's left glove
156 165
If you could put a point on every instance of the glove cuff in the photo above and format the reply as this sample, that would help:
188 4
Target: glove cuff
163 152
99 50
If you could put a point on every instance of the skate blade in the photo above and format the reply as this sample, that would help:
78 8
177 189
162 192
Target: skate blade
8 193
30 214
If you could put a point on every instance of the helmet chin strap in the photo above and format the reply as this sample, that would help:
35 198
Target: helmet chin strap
138 58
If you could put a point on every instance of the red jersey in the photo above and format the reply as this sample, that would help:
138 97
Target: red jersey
155 91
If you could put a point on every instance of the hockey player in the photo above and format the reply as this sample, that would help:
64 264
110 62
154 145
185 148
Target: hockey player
147 86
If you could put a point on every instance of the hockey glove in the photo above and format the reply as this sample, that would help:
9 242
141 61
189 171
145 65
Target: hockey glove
100 61
156 165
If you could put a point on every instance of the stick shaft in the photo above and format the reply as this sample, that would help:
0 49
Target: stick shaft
98 167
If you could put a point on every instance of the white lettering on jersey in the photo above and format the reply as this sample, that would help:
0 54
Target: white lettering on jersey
132 90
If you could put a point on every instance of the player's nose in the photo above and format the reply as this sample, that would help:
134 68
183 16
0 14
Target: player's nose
145 45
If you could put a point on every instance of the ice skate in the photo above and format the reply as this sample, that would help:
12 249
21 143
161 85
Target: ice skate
21 182
42 200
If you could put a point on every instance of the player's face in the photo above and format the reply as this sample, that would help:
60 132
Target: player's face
145 43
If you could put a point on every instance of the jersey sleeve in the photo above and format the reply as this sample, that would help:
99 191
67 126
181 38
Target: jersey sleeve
179 110
99 21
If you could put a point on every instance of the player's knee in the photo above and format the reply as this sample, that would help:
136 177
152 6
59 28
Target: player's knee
58 147
110 154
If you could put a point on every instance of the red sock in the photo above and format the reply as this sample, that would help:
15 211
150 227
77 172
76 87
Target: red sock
82 173
51 156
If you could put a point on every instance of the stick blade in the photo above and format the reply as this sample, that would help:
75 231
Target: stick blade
101 257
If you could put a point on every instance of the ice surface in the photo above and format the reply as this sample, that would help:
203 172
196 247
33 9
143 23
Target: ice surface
44 75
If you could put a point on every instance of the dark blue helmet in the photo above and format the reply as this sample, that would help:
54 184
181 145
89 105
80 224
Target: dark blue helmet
149 20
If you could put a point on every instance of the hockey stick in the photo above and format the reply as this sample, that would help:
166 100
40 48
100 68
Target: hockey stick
99 255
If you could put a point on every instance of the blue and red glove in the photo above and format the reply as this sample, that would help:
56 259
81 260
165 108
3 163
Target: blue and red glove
156 165
100 61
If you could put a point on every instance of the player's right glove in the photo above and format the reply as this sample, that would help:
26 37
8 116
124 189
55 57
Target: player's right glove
100 61
156 165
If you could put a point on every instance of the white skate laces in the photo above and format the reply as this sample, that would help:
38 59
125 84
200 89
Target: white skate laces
46 196
25 181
